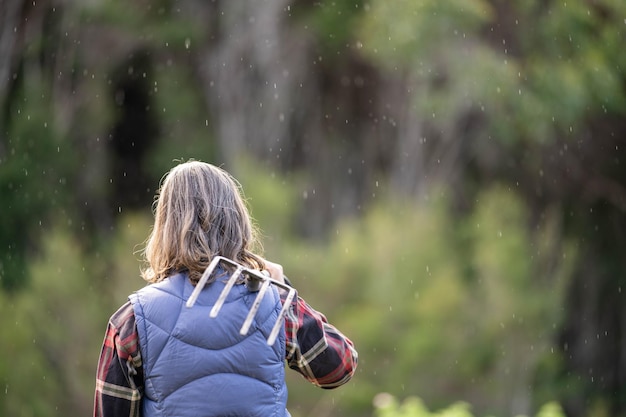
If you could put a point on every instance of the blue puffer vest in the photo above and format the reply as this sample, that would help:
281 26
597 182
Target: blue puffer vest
197 366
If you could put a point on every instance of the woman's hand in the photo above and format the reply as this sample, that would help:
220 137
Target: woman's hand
275 270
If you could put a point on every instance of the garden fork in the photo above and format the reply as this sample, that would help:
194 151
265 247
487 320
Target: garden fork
255 282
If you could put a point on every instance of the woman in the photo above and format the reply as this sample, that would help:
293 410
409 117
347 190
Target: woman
160 358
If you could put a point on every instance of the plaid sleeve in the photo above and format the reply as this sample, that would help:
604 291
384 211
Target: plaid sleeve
316 349
119 376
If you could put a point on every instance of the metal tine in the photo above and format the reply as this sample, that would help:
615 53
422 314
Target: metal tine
255 307
229 285
279 321
202 282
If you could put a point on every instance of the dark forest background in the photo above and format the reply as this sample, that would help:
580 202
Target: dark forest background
444 179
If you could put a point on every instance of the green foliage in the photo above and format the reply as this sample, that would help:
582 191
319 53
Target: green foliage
168 37
387 405
393 33
443 306
562 66
156 23
35 166
185 130
51 333
272 202
333 22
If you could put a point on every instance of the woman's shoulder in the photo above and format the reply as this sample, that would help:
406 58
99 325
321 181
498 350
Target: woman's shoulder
124 316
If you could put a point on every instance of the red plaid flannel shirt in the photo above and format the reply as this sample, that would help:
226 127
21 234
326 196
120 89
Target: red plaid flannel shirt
314 348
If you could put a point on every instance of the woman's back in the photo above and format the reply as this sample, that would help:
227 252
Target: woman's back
195 365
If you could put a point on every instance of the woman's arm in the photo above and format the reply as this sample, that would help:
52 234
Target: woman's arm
119 379
315 348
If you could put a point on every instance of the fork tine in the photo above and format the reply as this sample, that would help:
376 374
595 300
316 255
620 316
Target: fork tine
279 321
205 277
229 285
255 307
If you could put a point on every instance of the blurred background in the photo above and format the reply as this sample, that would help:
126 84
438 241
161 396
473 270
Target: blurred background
442 178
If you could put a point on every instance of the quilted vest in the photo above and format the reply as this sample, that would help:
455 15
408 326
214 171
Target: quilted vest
198 366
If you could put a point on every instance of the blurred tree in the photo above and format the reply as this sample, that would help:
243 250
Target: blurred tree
36 161
531 92
79 125
134 133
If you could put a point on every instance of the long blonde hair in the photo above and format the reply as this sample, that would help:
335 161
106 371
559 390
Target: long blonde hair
200 213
